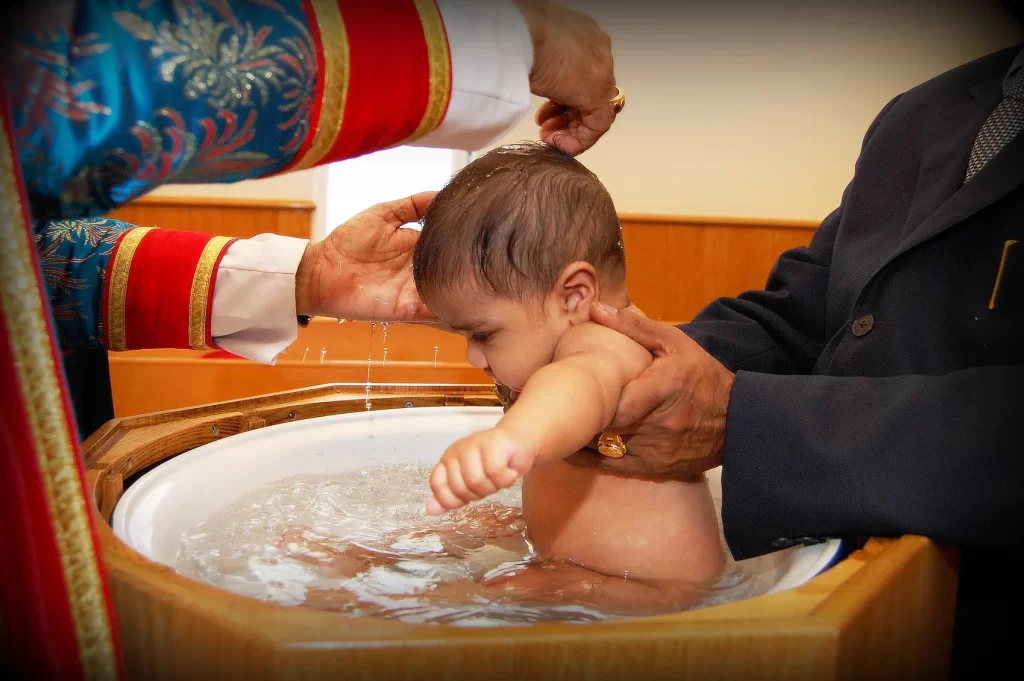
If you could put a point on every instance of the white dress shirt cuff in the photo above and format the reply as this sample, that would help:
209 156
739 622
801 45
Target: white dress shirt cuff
491 55
253 312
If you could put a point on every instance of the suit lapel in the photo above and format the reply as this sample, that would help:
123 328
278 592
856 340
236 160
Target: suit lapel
952 137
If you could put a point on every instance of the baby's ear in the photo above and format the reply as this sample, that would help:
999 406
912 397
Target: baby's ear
575 290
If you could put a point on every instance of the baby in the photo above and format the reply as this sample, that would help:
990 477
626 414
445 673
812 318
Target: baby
513 252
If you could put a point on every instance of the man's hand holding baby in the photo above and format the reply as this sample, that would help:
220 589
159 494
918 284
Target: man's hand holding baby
672 416
478 466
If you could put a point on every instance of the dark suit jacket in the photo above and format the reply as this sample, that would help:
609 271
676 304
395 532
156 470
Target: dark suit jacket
911 421
879 378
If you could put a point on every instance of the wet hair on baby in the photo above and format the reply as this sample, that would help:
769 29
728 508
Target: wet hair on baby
511 220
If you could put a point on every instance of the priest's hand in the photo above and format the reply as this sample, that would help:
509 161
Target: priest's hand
672 416
363 269
573 69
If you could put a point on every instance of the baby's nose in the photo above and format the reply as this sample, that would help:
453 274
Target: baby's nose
475 357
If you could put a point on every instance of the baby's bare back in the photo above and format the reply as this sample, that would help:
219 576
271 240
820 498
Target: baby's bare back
624 524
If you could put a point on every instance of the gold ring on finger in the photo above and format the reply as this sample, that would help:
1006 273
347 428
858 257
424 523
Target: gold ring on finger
619 100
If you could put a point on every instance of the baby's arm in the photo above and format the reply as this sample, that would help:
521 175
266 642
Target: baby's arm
566 403
558 412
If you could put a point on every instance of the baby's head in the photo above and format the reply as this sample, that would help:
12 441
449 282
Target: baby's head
514 250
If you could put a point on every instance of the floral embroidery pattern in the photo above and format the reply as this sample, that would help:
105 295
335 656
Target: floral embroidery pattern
91 232
46 82
228 62
223 65
57 274
220 90
180 159
73 255
300 88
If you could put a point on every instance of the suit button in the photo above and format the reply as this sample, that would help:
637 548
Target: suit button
810 541
781 543
863 325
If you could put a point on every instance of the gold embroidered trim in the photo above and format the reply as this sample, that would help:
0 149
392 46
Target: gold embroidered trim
336 70
27 323
200 296
117 292
440 69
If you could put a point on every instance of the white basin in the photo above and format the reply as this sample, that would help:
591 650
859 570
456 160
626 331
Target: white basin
176 496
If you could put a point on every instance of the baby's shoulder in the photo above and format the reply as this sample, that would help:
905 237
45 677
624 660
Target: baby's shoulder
593 339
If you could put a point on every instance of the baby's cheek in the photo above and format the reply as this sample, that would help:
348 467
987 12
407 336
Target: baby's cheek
527 360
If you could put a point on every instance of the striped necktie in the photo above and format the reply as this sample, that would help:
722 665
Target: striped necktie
1003 124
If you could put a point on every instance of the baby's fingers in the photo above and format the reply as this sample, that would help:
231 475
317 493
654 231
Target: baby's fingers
444 499
475 477
457 484
434 507
496 465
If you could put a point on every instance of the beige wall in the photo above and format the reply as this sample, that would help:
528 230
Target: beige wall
739 110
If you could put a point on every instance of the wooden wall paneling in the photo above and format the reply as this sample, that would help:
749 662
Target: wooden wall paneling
241 218
675 266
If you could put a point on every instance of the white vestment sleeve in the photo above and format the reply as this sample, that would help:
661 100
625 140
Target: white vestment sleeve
491 54
253 312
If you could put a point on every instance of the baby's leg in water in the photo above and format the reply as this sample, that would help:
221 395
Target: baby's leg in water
466 529
336 560
330 599
565 583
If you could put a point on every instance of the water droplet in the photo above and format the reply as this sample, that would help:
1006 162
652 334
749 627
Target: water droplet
369 361
305 353
323 351
435 356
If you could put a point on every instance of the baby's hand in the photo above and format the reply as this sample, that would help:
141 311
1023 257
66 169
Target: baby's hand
476 466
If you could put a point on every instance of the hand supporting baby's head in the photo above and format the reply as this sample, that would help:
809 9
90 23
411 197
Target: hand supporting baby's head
513 251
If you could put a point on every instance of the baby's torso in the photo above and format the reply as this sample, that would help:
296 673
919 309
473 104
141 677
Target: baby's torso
623 525
656 529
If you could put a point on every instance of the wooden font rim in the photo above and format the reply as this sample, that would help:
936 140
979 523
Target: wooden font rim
124 448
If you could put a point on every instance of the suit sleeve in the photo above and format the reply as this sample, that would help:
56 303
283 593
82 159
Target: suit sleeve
814 456
810 456
154 93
